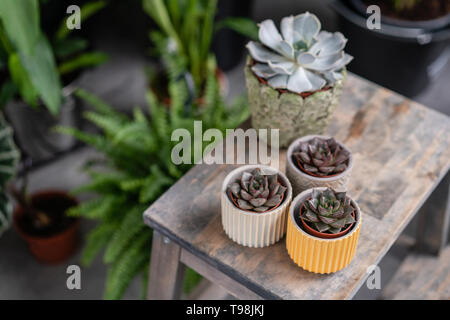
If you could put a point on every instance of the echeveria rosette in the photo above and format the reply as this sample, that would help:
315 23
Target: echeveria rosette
322 157
328 210
257 192
300 59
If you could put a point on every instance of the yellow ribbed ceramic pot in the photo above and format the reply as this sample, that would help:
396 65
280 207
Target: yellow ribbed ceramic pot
316 254
254 229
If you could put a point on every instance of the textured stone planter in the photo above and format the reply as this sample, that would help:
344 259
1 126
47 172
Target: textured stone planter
315 254
253 229
301 181
294 115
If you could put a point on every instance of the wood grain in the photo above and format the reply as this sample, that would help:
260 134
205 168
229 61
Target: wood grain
401 151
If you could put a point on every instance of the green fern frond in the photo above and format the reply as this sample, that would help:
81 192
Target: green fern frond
96 240
132 184
102 183
130 226
109 124
99 105
97 141
129 264
99 208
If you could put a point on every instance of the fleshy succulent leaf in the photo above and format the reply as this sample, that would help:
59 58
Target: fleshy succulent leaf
328 210
257 192
301 58
322 157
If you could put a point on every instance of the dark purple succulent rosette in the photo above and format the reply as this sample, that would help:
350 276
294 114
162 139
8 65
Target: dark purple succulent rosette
256 192
321 157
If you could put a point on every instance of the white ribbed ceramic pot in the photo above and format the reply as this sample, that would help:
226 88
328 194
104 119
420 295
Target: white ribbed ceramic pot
301 181
254 229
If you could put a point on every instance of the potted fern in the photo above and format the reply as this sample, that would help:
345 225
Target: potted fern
137 170
9 157
323 230
318 161
294 79
255 200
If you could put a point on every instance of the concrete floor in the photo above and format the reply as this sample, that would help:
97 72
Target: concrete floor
122 82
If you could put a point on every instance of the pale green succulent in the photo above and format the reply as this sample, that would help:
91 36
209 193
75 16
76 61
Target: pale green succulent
300 59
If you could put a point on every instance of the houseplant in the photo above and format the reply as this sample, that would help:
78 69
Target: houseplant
40 73
9 157
417 53
295 79
136 169
41 220
318 161
322 230
255 200
185 31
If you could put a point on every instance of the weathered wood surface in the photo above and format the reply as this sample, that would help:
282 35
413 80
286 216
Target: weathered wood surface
421 277
401 151
166 272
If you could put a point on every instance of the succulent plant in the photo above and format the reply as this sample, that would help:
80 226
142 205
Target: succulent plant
328 210
257 192
322 157
302 58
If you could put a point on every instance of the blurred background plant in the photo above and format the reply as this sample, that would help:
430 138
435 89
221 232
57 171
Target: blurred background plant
183 40
404 4
33 66
9 157
39 68
137 168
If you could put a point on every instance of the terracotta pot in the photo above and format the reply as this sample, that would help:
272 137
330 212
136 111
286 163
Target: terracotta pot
323 235
254 229
54 248
302 181
316 254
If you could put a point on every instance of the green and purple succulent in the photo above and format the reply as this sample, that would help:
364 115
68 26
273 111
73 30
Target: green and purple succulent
257 192
321 157
328 211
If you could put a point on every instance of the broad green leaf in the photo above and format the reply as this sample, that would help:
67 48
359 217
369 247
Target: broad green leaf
21 80
21 23
42 72
81 61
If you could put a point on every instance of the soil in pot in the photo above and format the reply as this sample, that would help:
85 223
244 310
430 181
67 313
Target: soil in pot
56 240
308 228
421 11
